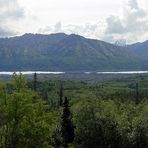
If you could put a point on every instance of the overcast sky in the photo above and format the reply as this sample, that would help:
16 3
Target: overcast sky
108 20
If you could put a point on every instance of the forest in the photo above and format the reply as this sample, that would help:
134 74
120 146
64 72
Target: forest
57 113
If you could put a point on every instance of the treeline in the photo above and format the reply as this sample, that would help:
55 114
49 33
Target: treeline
69 114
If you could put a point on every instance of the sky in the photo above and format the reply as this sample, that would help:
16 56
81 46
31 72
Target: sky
108 20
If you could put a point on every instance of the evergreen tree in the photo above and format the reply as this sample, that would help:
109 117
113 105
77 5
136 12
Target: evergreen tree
61 95
67 125
35 82
137 93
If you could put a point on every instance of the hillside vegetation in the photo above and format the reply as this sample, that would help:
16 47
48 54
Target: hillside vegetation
74 114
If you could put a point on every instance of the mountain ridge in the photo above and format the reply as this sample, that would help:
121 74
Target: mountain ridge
66 52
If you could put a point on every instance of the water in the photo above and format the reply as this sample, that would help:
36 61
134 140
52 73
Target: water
59 73
120 72
125 72
30 72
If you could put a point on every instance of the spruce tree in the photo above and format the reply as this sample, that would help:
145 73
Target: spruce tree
137 93
67 125
35 82
61 95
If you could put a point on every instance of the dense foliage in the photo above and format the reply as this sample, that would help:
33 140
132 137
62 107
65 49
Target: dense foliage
76 114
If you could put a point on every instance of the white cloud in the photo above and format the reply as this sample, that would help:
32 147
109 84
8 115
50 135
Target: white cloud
91 30
133 4
10 12
132 25
58 27
103 19
5 32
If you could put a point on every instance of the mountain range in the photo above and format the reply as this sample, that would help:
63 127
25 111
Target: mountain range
62 52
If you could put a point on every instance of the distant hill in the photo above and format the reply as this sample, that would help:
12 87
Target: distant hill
61 52
140 48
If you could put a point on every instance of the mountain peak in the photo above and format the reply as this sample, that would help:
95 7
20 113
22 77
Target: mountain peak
75 36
